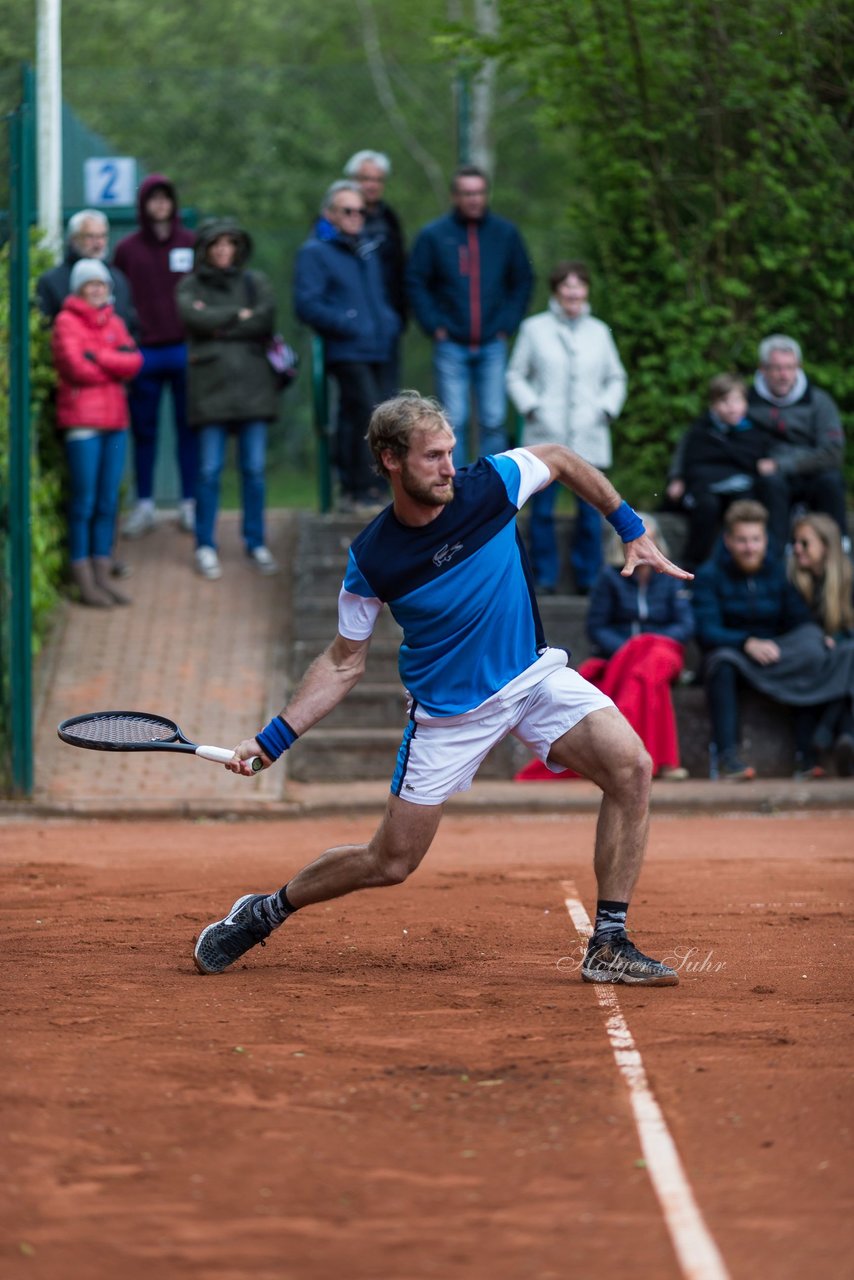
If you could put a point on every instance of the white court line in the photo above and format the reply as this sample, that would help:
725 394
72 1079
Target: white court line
696 1251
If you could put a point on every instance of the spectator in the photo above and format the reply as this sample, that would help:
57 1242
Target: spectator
716 461
638 628
755 626
229 314
469 281
383 227
94 355
339 291
822 573
807 441
566 378
87 236
154 259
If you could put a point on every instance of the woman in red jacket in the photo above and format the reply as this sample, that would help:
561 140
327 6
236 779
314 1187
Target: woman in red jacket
94 356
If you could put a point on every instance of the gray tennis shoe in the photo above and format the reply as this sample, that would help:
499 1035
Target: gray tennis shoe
616 959
221 943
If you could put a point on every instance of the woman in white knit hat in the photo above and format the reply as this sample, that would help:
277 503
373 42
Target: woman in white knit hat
95 356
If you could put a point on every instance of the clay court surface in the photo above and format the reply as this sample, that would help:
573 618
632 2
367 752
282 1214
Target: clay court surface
415 1082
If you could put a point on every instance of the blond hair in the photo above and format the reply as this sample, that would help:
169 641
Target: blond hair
394 422
829 596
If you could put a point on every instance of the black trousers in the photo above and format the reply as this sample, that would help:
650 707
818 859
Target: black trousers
821 491
361 387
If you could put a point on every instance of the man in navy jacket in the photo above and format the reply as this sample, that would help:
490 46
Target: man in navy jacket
469 281
340 292
742 602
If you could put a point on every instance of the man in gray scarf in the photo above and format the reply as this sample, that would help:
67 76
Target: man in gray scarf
807 441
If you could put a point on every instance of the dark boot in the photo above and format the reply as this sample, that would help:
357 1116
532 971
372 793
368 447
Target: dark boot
103 570
83 578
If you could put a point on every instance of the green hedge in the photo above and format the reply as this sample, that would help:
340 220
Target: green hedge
47 472
708 162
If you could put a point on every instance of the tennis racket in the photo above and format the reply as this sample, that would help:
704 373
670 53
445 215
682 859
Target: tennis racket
138 731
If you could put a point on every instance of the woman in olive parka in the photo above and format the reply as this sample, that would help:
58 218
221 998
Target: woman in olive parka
229 314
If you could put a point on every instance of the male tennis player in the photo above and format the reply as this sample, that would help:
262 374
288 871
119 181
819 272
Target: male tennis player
447 559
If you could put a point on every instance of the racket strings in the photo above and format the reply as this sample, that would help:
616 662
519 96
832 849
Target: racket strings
122 729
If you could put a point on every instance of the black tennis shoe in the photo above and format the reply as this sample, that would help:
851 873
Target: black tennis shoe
221 943
615 959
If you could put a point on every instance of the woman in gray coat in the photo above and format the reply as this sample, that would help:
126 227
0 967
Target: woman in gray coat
229 315
566 379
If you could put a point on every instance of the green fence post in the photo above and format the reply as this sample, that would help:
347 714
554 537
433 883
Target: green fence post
463 122
20 630
320 404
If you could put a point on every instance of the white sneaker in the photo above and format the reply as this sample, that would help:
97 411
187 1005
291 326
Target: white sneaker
140 520
207 563
187 515
263 561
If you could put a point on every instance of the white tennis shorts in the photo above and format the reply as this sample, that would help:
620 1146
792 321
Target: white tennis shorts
439 758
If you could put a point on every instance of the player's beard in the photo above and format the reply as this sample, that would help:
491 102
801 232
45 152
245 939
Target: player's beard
427 494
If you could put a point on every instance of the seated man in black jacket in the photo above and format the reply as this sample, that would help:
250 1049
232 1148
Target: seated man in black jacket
717 460
744 606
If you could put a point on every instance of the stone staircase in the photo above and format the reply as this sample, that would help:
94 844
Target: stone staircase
358 741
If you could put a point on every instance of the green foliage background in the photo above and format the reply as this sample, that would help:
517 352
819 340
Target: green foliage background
47 517
708 177
697 152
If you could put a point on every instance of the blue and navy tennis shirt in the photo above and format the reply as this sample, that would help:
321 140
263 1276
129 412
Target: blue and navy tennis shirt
460 587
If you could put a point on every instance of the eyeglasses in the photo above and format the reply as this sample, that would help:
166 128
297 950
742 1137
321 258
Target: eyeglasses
360 210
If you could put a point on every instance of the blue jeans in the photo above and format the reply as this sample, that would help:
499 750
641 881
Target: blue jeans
95 467
251 452
586 552
458 370
162 366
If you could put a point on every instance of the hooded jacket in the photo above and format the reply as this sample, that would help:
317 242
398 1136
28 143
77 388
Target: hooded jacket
94 356
229 378
566 378
154 268
472 279
339 290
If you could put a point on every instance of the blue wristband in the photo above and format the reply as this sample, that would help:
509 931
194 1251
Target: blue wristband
627 522
275 738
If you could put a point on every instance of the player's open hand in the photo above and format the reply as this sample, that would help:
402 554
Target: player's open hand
644 551
244 752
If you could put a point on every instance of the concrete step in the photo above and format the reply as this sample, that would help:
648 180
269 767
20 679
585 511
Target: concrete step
350 755
325 540
338 751
382 658
316 617
360 739
371 705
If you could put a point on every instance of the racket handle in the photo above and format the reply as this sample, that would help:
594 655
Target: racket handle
221 755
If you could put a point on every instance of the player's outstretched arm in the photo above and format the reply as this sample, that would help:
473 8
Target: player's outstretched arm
326 683
590 484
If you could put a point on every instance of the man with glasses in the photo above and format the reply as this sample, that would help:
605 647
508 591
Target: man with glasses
87 236
469 281
371 170
339 291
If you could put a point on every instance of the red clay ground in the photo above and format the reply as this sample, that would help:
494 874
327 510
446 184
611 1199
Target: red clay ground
410 1083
